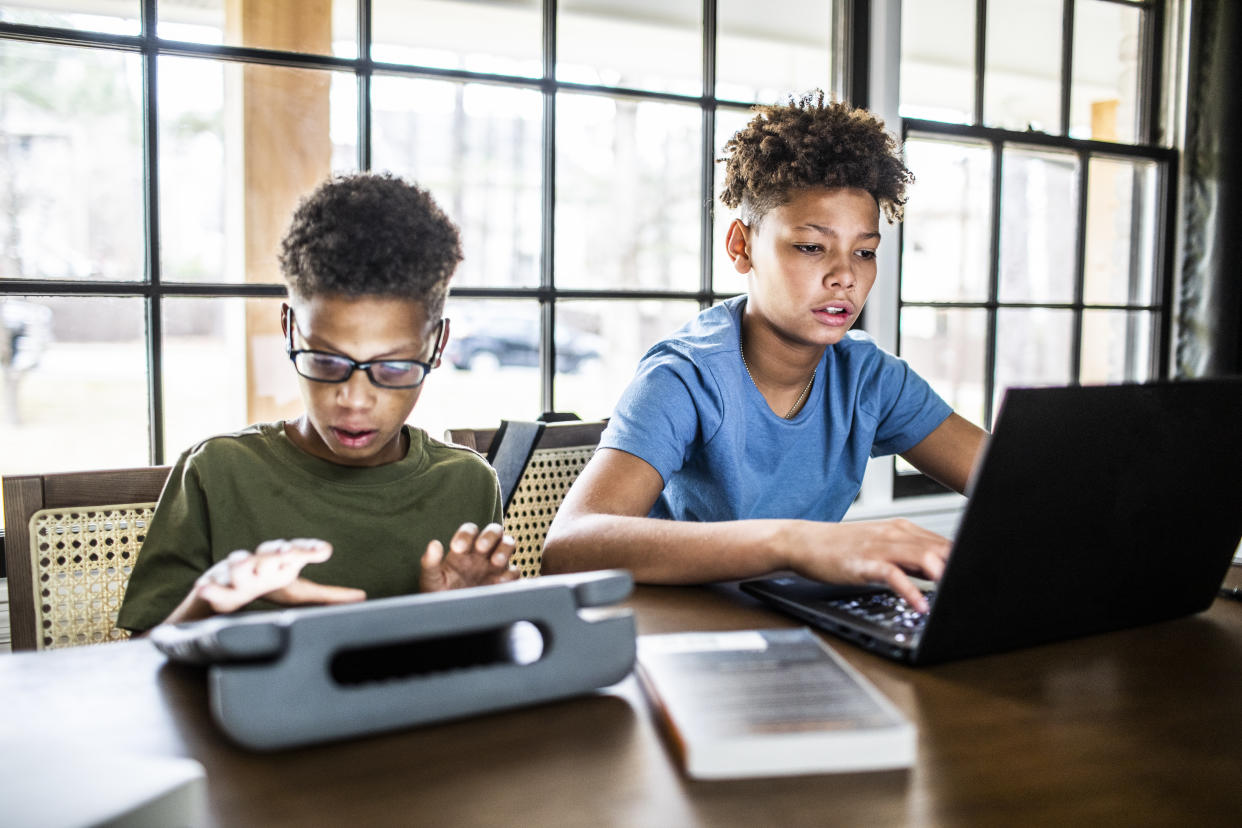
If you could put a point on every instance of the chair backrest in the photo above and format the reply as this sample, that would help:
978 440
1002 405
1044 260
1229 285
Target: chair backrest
71 540
560 454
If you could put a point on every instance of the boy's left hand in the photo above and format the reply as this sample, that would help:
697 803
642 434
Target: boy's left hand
474 559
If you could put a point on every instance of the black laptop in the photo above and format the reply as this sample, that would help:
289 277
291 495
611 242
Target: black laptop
1095 508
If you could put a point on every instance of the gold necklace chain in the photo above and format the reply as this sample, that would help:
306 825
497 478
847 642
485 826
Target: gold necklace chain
789 415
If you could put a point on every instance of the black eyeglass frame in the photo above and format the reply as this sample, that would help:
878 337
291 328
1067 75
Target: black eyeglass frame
355 365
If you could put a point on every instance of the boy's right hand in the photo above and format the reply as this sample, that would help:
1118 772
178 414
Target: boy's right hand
872 552
273 572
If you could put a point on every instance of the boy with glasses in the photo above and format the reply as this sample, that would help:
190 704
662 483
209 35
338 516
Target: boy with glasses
743 438
369 503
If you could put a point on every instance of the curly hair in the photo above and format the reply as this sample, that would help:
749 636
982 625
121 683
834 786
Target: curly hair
371 234
807 142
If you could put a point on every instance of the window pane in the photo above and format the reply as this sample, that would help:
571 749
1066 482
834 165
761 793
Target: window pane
656 46
70 163
240 145
724 278
627 194
1039 196
599 345
1032 347
938 60
948 348
121 17
323 28
476 148
75 388
224 368
1107 66
490 369
1116 346
498 36
1121 221
946 234
1022 76
764 51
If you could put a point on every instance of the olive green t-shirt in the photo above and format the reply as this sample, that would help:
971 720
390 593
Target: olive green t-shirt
237 490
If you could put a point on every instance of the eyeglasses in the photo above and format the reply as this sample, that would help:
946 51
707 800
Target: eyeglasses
322 366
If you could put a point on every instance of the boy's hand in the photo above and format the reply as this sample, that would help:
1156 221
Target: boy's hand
874 552
272 571
474 559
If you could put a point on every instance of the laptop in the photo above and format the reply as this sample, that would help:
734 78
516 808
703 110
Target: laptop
1094 508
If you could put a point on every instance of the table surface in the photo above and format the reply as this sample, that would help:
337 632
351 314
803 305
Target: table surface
1135 727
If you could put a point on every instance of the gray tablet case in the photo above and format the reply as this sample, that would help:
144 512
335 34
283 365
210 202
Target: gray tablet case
299 676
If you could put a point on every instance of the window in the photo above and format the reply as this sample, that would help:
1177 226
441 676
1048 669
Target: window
1034 249
152 153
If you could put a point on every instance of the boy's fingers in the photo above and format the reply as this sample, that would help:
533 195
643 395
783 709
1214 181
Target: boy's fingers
434 554
462 538
488 538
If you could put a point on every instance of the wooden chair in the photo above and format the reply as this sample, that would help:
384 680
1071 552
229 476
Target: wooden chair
560 452
71 540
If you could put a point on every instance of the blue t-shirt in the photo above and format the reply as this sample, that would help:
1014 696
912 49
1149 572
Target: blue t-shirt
693 413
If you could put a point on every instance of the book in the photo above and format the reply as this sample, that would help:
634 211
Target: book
768 703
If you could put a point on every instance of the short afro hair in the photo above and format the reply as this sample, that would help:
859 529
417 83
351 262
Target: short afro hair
371 234
809 142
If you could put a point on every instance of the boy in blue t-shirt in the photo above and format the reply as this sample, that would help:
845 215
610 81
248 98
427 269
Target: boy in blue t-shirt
743 438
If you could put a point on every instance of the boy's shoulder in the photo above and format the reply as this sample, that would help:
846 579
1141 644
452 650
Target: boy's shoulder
250 440
713 331
444 453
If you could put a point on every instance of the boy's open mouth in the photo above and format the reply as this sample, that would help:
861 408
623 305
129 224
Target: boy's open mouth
351 438
833 314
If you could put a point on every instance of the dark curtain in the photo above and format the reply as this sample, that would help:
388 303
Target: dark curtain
1210 291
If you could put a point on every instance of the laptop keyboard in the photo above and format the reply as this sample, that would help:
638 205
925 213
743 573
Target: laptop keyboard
886 610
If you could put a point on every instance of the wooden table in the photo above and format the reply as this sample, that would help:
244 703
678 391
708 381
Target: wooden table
1141 727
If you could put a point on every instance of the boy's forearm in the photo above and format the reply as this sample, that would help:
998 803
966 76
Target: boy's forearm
667 551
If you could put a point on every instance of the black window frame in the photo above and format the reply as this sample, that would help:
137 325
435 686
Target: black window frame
1147 147
153 289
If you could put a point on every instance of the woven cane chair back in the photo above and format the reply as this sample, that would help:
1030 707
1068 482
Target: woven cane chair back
71 543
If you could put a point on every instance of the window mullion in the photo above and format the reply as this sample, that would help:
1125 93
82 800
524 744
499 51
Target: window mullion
1080 268
994 232
151 220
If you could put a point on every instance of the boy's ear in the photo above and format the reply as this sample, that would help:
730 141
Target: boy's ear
284 320
737 244
442 343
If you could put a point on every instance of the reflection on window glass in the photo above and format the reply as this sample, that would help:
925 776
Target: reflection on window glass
1116 346
70 163
627 194
322 28
224 368
119 17
606 340
724 278
476 148
60 357
653 46
946 233
938 60
1038 216
1121 218
1105 82
240 145
1022 76
948 348
494 36
1032 348
767 50
489 370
